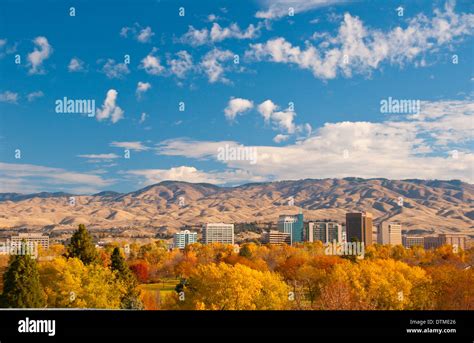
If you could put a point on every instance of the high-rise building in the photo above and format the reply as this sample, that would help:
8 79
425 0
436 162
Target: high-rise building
183 238
276 237
411 241
292 224
218 233
359 227
326 232
390 233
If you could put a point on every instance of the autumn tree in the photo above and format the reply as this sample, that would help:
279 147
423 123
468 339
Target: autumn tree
385 284
21 284
224 287
71 283
82 246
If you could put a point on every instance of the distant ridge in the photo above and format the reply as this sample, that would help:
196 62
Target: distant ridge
431 205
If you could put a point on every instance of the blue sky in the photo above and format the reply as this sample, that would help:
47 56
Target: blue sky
305 97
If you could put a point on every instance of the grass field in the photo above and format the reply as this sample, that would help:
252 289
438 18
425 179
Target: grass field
159 290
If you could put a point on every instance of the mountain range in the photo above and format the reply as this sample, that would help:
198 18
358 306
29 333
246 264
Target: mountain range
420 205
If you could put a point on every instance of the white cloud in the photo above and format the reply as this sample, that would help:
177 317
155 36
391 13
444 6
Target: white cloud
142 87
34 95
280 138
115 70
76 65
143 117
41 52
193 149
145 35
181 65
282 120
9 97
212 65
136 146
218 33
30 178
110 109
151 64
191 174
212 17
266 109
141 34
236 106
358 49
101 157
279 8
409 148
5 49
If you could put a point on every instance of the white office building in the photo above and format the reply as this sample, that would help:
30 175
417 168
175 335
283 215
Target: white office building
183 238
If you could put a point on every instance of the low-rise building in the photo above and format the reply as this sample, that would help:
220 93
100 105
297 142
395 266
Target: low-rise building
411 241
276 237
30 240
218 233
458 241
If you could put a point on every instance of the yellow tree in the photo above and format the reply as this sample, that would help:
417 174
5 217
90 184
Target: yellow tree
386 284
225 287
70 283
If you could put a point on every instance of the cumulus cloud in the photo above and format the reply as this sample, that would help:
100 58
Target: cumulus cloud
110 109
9 97
76 65
151 64
266 109
142 87
237 106
358 49
213 66
218 33
280 138
41 52
115 70
283 120
141 34
181 65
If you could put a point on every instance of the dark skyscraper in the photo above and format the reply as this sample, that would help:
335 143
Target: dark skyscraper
359 227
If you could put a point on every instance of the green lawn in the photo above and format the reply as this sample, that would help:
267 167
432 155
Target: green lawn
166 286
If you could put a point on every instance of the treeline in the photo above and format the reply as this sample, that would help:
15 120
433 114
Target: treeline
254 277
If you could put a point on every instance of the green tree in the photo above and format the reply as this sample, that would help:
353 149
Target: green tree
82 247
22 286
131 299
